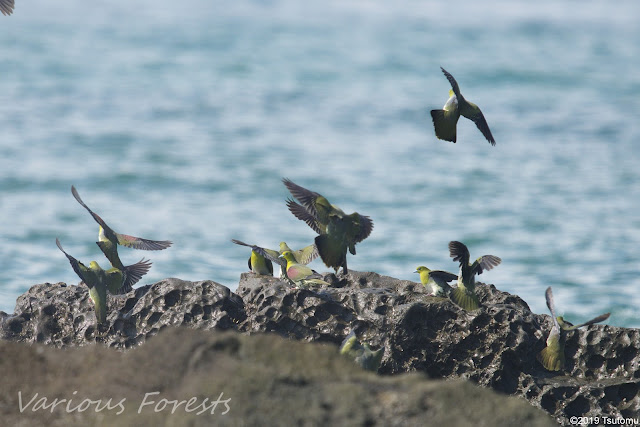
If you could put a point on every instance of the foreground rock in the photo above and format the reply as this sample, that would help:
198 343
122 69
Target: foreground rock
256 380
495 346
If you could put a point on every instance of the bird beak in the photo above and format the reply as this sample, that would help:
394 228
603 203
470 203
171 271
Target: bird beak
416 271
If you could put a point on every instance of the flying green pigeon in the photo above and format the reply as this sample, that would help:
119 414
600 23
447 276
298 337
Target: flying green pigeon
6 7
108 241
337 230
300 274
361 354
301 256
464 295
98 281
445 120
436 281
552 356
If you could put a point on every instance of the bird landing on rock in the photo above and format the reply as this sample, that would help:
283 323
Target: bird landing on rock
337 230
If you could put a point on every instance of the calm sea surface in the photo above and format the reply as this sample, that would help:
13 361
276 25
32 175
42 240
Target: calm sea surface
177 120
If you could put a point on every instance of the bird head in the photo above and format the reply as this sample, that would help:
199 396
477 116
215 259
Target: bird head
424 274
94 265
284 247
288 256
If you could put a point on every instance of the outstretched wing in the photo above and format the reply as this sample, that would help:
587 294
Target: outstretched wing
267 253
478 118
133 273
365 227
6 7
77 266
303 214
140 243
306 197
485 263
459 252
598 319
453 82
552 309
306 254
443 276
108 232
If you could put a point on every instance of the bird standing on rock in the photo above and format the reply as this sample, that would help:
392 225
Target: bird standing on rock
552 356
301 256
258 262
98 281
464 295
108 241
446 120
436 281
300 274
337 230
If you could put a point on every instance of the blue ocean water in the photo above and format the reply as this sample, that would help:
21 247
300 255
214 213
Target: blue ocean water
177 120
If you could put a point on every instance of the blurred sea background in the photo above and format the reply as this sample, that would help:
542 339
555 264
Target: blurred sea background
178 120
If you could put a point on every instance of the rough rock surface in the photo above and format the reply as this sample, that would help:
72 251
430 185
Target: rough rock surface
63 315
494 346
269 381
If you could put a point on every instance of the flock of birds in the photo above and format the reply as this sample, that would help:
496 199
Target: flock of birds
338 233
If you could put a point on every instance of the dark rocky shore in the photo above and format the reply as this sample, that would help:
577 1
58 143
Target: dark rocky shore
270 378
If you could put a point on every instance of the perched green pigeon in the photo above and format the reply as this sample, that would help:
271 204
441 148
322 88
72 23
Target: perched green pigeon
337 230
445 120
258 263
108 241
552 356
436 281
464 295
301 256
361 354
300 274
98 281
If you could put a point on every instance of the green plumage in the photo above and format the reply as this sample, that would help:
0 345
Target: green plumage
362 354
436 281
261 258
98 281
464 295
552 356
300 274
108 241
338 232
445 120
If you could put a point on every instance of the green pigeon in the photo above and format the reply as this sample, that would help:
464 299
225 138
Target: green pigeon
98 281
108 241
464 295
258 263
445 120
361 354
337 230
552 356
6 7
300 274
436 281
301 256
